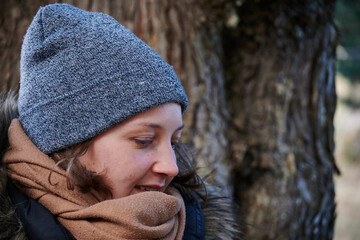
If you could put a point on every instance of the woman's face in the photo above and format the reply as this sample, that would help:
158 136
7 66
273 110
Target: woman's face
137 155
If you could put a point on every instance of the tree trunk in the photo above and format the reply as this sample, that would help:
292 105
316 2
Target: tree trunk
280 63
260 80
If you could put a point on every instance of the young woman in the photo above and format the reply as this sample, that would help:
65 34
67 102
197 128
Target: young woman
90 149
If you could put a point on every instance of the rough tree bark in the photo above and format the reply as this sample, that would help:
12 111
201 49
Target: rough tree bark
260 79
280 64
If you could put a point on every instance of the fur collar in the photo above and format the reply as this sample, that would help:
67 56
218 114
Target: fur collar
10 227
221 215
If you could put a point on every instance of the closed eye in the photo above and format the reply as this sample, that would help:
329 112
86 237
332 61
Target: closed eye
143 142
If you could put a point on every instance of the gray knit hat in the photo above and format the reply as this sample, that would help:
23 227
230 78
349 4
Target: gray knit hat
82 72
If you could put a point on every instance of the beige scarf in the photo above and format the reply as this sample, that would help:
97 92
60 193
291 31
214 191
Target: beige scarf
148 215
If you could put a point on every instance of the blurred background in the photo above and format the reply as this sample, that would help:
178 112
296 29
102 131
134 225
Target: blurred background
347 121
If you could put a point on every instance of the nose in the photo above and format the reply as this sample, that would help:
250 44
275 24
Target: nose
165 162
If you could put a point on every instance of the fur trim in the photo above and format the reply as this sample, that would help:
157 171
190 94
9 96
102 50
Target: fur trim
220 214
8 111
10 226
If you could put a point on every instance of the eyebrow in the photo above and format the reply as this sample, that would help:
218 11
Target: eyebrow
157 126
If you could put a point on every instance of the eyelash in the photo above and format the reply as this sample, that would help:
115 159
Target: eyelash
145 143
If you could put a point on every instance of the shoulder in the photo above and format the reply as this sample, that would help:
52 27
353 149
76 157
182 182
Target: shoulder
10 226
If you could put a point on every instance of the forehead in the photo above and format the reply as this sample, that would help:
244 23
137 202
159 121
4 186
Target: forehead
166 116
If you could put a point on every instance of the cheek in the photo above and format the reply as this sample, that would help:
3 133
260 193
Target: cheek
140 162
128 166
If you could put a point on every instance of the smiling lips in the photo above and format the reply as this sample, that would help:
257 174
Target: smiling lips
148 188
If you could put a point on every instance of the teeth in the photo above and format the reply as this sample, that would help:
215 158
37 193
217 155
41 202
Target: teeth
147 188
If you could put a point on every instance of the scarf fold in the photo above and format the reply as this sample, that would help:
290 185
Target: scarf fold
148 215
